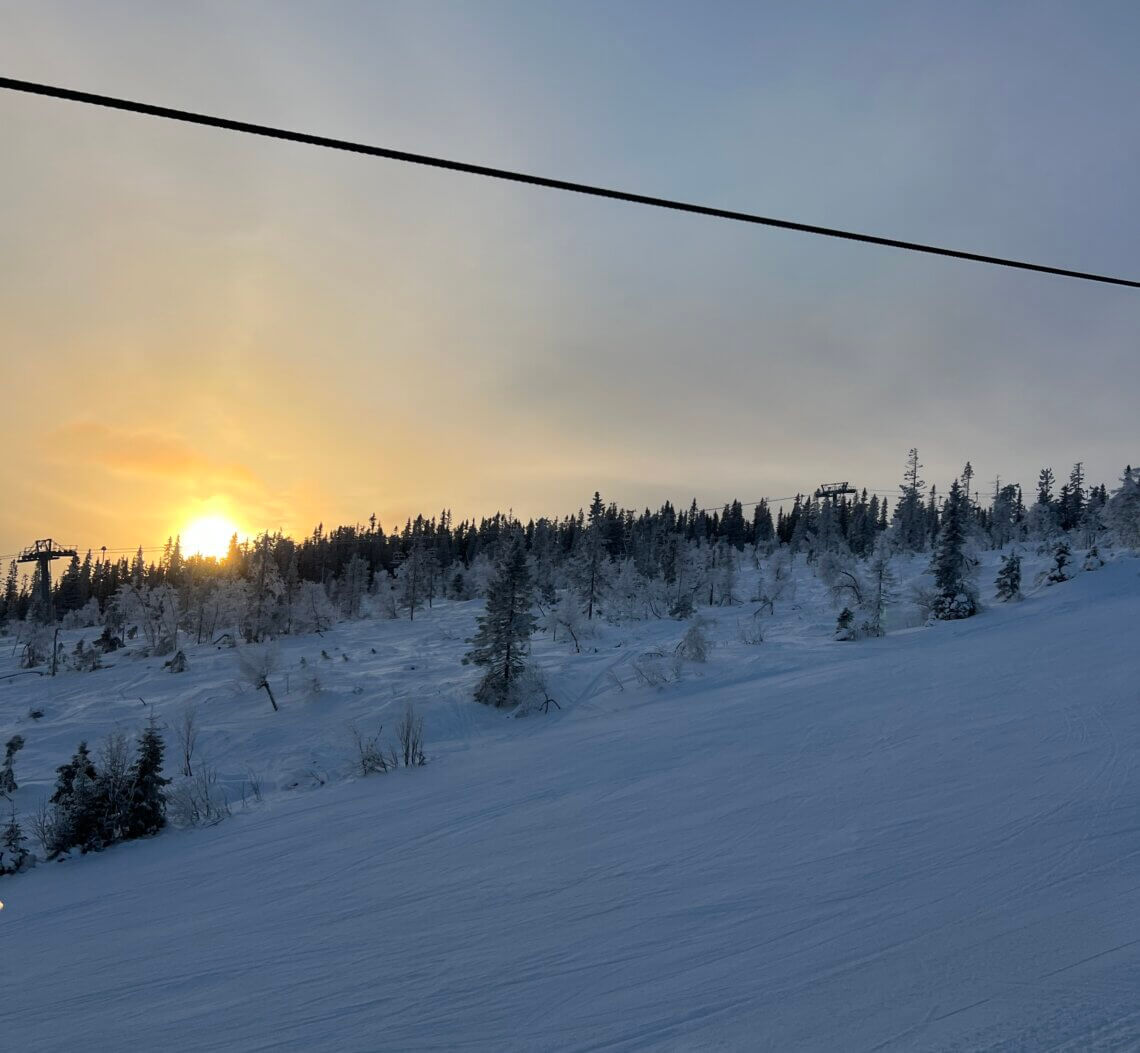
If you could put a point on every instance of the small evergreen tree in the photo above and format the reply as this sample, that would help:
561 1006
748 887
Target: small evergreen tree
503 637
75 807
147 809
951 571
844 625
1062 557
13 855
7 775
1008 581
112 791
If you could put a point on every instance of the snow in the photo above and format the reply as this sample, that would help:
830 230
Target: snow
929 841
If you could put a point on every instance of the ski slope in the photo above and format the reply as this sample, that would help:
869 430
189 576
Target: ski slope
930 841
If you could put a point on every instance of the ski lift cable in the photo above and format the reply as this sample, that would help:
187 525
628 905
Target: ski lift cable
788 497
327 142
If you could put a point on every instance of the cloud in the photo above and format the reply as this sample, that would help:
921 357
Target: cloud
150 453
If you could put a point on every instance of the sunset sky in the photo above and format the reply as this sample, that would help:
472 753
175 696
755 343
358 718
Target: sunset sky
198 323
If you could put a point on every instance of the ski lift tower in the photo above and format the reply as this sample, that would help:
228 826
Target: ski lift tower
42 553
833 490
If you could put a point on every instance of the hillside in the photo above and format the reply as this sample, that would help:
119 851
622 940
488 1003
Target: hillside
927 841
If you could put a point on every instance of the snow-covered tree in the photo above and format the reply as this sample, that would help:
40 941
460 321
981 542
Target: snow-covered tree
147 807
952 570
1093 559
777 582
386 591
256 664
112 791
313 611
229 610
722 576
628 593
414 576
156 610
566 619
837 571
265 589
7 774
695 644
352 587
75 819
880 586
1062 557
1121 513
590 568
910 527
502 641
1003 517
14 857
1007 584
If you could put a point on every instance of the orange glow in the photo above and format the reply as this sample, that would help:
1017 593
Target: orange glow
208 536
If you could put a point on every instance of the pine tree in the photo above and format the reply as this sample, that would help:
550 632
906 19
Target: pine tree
951 571
146 813
1008 581
502 641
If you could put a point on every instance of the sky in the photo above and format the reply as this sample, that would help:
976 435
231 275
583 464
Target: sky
199 323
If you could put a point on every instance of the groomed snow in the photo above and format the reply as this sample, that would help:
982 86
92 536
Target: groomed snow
930 841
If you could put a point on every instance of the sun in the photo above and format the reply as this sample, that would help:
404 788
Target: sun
208 536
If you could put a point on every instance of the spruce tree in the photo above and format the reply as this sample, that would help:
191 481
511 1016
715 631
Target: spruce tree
910 518
1008 581
592 563
951 571
503 637
75 813
146 813
1062 557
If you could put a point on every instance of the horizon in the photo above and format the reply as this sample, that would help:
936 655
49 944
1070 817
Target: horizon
981 491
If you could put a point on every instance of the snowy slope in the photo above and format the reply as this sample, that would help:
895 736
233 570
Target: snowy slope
926 842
